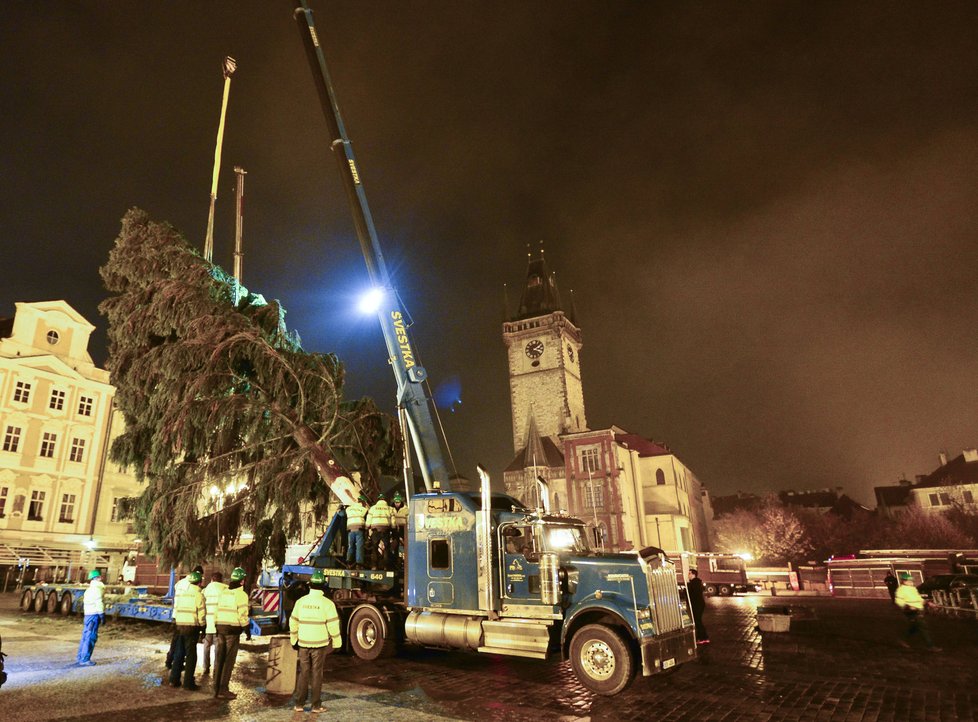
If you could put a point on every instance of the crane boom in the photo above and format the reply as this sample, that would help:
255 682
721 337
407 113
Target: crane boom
394 323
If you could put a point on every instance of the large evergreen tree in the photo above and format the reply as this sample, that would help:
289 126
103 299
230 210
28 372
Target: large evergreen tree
218 395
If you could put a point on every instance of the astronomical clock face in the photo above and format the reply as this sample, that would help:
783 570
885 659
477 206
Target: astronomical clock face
534 349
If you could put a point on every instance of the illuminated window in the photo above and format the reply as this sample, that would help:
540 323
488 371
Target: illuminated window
67 514
48 442
589 459
36 510
77 450
57 401
22 392
85 406
660 477
11 439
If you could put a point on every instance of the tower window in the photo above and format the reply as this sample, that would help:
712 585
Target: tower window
660 477
590 460
53 337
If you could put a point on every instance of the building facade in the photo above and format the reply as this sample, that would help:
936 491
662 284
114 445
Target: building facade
59 494
633 492
953 483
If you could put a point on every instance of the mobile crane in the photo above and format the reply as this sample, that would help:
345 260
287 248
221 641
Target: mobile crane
481 571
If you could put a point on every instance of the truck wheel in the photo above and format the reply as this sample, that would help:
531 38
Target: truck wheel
367 635
40 602
66 604
725 590
601 659
53 602
711 590
27 601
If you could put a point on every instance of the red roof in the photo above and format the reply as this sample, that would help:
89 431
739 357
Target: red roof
643 446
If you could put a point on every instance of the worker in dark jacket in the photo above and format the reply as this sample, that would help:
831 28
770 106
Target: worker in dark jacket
697 603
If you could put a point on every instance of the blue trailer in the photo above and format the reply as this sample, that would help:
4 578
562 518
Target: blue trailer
121 602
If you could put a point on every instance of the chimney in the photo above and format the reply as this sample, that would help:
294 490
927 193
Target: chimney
942 457
970 454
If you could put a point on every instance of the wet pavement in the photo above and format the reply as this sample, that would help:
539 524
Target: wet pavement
839 661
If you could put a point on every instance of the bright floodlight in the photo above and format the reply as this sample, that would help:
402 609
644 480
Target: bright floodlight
371 300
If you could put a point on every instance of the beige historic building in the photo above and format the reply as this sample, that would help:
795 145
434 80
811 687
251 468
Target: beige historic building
59 494
634 492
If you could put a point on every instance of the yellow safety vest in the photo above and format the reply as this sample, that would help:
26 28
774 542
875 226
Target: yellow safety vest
379 516
232 608
211 594
401 516
907 597
314 622
356 514
188 607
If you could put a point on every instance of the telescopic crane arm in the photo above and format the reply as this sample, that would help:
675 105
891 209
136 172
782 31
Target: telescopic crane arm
408 373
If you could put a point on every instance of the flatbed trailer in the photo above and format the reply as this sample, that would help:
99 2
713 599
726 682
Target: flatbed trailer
121 602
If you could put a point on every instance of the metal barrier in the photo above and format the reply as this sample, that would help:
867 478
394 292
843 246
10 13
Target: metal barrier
957 602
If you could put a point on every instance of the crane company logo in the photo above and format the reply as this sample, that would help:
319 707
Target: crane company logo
446 522
515 566
353 171
407 355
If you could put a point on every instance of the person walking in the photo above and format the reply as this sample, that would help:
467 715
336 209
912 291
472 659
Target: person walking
697 604
190 617
909 600
175 635
231 621
399 530
94 616
314 631
891 585
380 519
211 594
356 516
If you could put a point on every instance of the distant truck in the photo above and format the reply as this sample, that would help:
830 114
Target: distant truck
722 574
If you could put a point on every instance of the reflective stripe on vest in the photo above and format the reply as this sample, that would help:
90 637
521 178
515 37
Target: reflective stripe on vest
401 516
379 516
232 608
356 515
188 607
211 594
314 622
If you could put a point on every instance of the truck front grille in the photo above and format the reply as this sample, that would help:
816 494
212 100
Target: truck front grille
664 593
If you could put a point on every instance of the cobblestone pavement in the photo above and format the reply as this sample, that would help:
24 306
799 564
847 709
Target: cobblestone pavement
841 663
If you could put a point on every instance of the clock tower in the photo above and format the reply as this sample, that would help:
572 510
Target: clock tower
543 345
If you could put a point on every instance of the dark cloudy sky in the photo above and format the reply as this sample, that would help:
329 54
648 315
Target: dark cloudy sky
768 212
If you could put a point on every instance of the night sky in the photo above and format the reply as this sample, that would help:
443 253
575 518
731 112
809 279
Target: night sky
768 212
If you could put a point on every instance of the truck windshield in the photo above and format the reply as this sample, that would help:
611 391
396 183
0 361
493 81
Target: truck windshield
566 539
